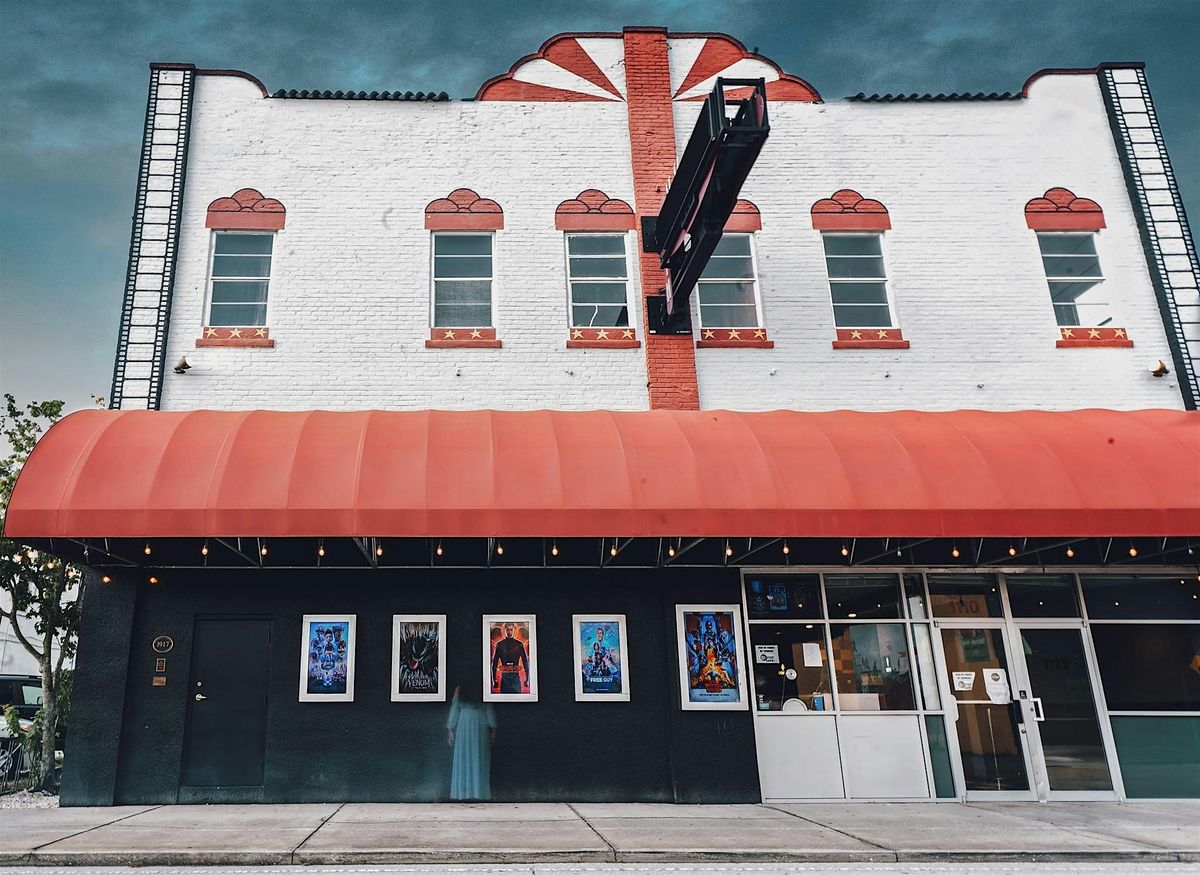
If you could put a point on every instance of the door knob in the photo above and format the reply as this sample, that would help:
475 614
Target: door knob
200 697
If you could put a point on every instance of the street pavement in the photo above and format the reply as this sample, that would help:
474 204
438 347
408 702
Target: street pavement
549 836
641 868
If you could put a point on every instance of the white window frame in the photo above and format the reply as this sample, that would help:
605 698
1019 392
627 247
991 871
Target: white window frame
886 279
758 309
433 235
1100 280
269 278
624 235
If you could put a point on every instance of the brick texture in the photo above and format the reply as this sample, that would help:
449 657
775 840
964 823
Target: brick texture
670 361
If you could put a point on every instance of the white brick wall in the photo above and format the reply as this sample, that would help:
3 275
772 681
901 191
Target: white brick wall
349 298
349 307
965 270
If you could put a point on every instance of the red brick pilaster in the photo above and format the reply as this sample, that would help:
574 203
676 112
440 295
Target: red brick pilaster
670 360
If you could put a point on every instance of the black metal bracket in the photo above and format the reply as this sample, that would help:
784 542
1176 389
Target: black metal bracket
660 322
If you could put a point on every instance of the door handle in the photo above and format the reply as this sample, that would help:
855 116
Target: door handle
1039 713
200 697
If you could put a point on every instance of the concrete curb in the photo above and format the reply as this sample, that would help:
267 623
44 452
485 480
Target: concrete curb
431 857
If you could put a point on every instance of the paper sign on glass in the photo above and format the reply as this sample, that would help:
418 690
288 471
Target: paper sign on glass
964 680
766 653
995 681
812 654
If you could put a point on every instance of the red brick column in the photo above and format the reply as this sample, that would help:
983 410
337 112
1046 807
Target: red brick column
670 360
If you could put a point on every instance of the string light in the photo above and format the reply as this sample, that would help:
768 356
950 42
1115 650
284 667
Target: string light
1132 550
378 550
106 580
845 550
146 550
954 551
1070 553
728 549
554 549
321 550
153 580
499 549
671 550
1012 551
786 548
612 551
439 550
263 550
204 549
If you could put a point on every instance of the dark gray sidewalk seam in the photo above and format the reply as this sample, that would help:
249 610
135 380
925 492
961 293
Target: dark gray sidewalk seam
843 832
611 850
32 851
324 820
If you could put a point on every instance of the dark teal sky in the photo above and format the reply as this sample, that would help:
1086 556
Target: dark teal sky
73 86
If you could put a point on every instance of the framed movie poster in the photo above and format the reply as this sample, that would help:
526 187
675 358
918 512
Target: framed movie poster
327 658
711 673
418 657
601 662
509 658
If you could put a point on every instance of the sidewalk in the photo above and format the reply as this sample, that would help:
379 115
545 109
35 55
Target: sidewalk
559 833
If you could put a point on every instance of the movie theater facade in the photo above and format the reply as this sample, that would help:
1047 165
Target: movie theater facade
415 487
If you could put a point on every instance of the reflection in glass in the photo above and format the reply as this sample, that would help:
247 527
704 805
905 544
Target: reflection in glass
939 756
1142 596
965 596
1160 756
1042 595
989 738
926 672
471 730
1070 733
1149 667
783 597
796 646
862 596
914 596
871 661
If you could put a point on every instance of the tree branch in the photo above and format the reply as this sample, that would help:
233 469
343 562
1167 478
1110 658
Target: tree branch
12 621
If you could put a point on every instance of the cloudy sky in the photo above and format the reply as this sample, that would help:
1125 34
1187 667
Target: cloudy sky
74 85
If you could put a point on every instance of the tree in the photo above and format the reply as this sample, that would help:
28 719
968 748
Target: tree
37 584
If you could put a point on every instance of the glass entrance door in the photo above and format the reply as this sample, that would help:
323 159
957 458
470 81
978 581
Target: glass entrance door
991 738
1065 716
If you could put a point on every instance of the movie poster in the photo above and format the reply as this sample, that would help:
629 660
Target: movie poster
510 658
601 664
327 658
710 664
418 657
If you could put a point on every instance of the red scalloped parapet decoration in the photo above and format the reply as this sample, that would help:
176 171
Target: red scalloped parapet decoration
745 217
848 210
593 210
463 210
720 52
246 210
1060 210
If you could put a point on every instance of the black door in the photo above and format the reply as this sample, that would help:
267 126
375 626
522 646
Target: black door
227 703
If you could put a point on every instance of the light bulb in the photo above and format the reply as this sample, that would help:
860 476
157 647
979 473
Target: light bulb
106 579
1070 553
204 549
612 551
845 551
438 550
954 552
146 550
1012 551
786 548
378 551
1133 551
321 550
554 550
499 549
263 551
670 551
154 580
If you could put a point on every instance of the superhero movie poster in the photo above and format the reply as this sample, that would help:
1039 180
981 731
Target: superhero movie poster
418 657
601 664
710 661
510 658
327 658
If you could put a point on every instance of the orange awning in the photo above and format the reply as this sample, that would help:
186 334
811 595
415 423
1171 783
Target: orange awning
1085 473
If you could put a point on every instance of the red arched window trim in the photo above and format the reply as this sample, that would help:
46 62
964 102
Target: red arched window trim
847 210
463 210
246 210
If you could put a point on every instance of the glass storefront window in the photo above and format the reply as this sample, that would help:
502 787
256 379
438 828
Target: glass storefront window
939 756
799 647
1159 756
862 596
1042 595
1149 666
925 670
783 597
914 596
1142 597
871 663
965 596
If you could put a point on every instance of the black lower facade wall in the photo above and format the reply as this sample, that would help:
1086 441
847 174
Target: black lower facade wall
373 749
